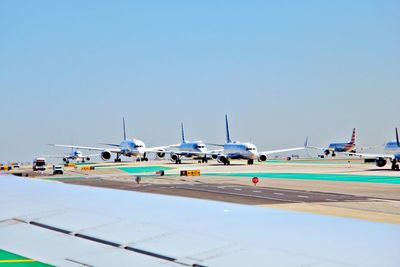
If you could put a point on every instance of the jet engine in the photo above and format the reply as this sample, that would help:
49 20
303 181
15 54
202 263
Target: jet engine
262 157
326 152
161 154
214 156
105 155
174 157
221 158
380 162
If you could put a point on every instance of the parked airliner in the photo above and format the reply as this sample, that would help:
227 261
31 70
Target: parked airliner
128 148
189 149
340 147
246 151
392 154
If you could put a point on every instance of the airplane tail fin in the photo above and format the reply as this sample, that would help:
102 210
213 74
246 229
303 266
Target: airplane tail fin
397 138
123 125
306 142
228 137
183 133
353 136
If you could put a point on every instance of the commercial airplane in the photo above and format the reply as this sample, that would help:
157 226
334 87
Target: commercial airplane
189 149
73 155
246 151
392 154
340 147
128 148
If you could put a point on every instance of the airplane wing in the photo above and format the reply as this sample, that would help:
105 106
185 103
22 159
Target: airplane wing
158 149
372 155
88 148
108 144
61 225
282 150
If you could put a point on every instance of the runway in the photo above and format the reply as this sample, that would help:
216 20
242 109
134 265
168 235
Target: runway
229 193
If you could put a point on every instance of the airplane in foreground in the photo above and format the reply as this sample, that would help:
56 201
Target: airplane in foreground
340 147
127 147
246 151
392 154
190 149
73 225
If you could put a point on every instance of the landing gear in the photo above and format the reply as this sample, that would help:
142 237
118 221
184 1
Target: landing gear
117 159
333 154
227 162
250 162
178 161
66 161
395 165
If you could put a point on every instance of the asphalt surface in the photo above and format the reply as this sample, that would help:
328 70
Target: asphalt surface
229 193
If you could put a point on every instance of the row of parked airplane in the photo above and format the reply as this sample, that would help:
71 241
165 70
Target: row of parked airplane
231 150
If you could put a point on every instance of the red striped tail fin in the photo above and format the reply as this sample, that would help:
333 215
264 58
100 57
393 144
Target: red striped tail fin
353 137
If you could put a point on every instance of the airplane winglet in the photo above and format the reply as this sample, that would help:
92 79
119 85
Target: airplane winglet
397 138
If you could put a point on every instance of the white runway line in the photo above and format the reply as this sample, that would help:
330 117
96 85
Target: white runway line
302 196
278 194
238 189
256 191
328 199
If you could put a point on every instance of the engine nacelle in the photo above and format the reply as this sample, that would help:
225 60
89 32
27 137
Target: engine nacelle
161 154
214 156
174 157
326 152
221 158
65 159
105 155
380 162
262 157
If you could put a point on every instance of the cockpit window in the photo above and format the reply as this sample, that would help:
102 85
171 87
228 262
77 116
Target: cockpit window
251 148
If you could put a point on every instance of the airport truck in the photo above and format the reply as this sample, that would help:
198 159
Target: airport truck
39 164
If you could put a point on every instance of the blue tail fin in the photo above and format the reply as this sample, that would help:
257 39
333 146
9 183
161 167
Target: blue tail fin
397 138
123 125
228 137
183 133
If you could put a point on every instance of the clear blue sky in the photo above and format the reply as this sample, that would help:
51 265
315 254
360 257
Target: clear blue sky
69 70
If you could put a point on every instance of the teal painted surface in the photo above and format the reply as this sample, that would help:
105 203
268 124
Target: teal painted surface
141 169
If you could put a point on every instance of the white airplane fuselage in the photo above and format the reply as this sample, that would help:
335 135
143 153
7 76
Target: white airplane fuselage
198 147
237 150
132 148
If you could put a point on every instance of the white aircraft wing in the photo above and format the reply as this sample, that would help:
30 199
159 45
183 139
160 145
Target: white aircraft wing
113 150
282 150
157 149
372 155
62 225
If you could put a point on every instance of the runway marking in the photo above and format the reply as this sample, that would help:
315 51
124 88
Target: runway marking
221 187
302 196
278 194
238 194
14 261
256 191
328 199
238 189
